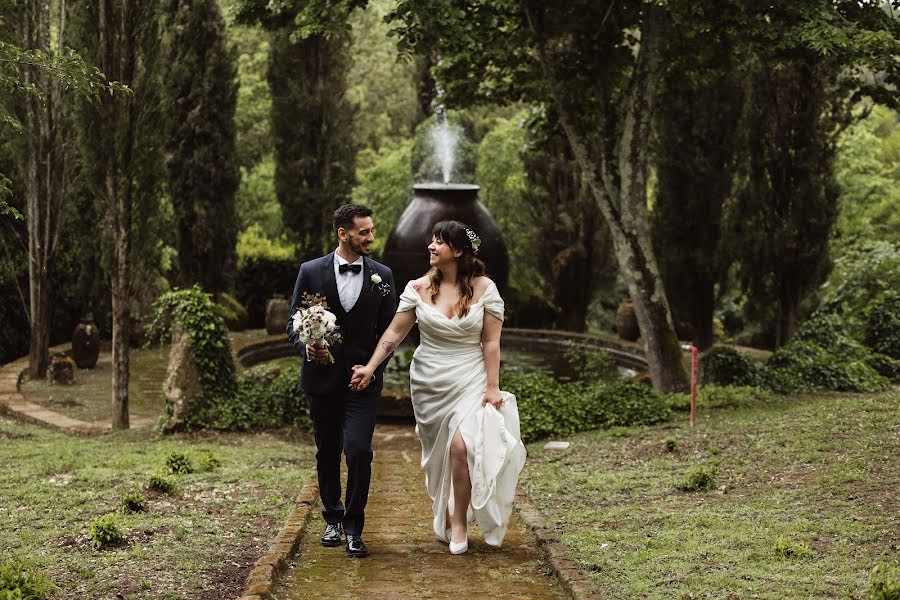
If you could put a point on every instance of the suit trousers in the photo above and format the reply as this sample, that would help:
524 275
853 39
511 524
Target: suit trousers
344 422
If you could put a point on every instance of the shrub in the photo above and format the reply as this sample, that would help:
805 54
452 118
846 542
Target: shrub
883 326
132 502
723 365
590 364
792 550
884 583
105 530
159 482
207 462
699 479
20 580
860 278
671 444
266 397
829 331
726 396
803 366
194 312
234 314
179 464
548 407
544 404
624 402
884 366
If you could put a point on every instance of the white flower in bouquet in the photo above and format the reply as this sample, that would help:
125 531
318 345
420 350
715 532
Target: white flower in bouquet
315 325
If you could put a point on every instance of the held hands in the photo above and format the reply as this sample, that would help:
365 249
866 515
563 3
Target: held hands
362 377
317 353
493 397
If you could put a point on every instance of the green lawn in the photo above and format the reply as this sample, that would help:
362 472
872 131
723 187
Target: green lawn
197 543
88 397
818 474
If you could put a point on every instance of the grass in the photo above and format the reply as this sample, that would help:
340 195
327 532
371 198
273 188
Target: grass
196 543
805 502
88 398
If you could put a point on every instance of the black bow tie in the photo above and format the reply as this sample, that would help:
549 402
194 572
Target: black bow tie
348 267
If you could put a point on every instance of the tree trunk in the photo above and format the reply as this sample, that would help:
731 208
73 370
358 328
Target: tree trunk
573 287
786 317
623 199
116 38
45 180
703 310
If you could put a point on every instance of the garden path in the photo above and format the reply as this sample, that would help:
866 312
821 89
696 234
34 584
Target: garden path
406 560
15 404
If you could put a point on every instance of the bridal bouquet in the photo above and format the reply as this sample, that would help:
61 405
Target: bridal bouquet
315 324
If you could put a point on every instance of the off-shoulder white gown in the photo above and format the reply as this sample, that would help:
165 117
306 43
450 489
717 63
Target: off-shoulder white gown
448 381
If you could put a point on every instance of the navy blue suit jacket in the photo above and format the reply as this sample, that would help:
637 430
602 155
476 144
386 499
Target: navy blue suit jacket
361 326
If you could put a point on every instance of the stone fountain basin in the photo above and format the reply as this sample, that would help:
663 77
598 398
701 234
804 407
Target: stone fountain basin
396 403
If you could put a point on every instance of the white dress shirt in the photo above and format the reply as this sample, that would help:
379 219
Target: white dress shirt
349 284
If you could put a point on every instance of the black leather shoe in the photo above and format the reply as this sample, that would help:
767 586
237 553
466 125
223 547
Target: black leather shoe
332 535
356 547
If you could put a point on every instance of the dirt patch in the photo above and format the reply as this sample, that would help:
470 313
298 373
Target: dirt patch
227 579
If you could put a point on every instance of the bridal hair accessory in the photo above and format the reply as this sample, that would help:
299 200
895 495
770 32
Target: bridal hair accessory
474 240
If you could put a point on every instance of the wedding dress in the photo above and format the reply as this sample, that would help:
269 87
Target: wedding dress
448 381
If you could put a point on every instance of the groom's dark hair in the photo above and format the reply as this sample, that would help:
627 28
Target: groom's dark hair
344 215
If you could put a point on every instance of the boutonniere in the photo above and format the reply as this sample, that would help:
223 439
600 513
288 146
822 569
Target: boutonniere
379 286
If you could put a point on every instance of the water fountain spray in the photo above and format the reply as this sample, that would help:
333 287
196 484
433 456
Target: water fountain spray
445 138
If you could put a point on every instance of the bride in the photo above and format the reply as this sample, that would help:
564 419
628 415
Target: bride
469 429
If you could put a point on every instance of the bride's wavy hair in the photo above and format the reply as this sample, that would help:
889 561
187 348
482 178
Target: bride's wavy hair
469 266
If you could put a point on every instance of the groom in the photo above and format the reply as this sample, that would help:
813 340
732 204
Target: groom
361 294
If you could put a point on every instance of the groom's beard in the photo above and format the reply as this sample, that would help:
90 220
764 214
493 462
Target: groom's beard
358 248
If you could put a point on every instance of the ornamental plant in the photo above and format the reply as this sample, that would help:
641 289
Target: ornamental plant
178 463
105 530
21 580
723 365
883 326
194 313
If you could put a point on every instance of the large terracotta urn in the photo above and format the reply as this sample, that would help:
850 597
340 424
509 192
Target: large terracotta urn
406 250
278 310
86 343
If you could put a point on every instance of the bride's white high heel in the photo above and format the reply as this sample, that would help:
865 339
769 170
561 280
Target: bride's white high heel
446 537
459 547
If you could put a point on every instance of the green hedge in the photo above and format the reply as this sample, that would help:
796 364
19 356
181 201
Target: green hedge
548 407
723 365
883 326
822 356
267 397
258 279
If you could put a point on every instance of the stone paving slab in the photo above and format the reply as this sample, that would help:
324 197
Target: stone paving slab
406 560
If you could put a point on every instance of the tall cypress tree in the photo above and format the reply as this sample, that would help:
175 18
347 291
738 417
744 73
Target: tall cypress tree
203 175
120 148
799 96
311 124
695 151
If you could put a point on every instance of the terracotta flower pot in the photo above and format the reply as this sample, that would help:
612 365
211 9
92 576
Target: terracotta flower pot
626 322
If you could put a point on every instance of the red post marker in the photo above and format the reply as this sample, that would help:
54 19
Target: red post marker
693 384
694 350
